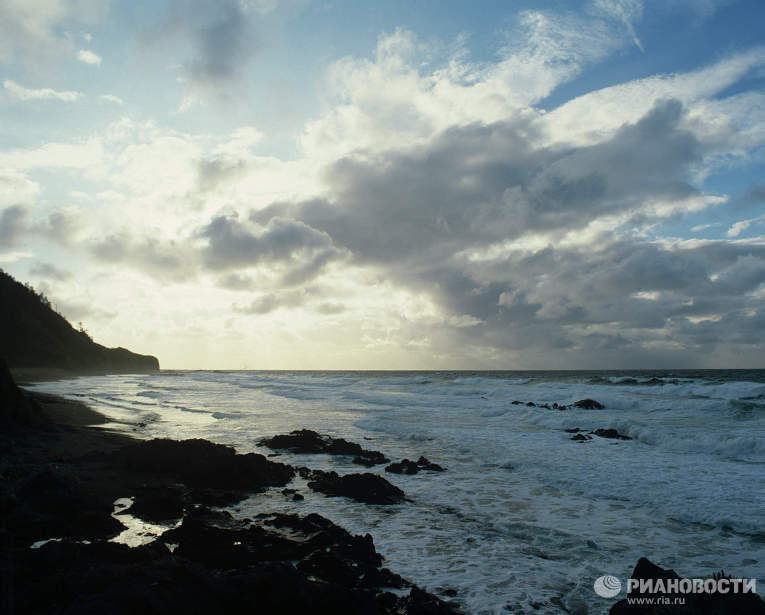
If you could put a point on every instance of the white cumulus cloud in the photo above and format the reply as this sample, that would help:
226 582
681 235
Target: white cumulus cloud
88 57
23 93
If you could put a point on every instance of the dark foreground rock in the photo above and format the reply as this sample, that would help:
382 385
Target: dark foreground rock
405 466
368 488
15 406
306 441
684 603
203 464
278 564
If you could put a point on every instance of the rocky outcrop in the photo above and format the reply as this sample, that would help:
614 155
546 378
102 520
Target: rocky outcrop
405 466
218 474
676 603
306 441
610 433
278 564
368 488
586 404
581 436
589 404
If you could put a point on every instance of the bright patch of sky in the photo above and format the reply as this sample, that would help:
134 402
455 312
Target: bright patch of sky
297 184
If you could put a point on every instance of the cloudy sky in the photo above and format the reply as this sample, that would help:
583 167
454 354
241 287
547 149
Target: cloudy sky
391 185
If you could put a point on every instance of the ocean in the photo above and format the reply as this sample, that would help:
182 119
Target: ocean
525 518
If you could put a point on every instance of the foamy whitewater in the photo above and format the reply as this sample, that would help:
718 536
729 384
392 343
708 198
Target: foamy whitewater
524 515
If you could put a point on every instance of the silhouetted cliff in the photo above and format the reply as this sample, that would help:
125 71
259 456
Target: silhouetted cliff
34 335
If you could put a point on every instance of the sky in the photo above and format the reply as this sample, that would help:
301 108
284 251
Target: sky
297 184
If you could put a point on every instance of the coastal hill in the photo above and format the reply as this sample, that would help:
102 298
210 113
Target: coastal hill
33 335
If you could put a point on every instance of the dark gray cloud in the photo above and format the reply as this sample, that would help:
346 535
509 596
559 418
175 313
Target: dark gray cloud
756 193
164 260
308 298
270 302
480 184
215 171
619 302
12 225
49 272
302 250
236 281
221 37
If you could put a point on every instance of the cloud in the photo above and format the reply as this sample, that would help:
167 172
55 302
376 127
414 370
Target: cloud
300 250
36 33
270 302
88 57
609 108
49 272
63 226
756 193
741 226
13 224
518 241
164 260
295 298
627 12
112 98
396 100
220 37
16 188
476 185
25 94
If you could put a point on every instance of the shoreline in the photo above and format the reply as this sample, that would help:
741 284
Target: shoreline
61 476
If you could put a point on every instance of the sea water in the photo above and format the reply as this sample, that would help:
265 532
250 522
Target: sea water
524 519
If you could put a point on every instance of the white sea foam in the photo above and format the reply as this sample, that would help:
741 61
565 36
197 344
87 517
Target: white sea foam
523 514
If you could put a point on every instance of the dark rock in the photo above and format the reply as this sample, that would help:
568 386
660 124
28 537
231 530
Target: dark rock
610 433
209 496
403 467
298 498
367 488
517 403
300 441
53 503
304 472
425 464
199 463
370 458
589 404
15 407
574 430
531 404
307 441
729 603
157 503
